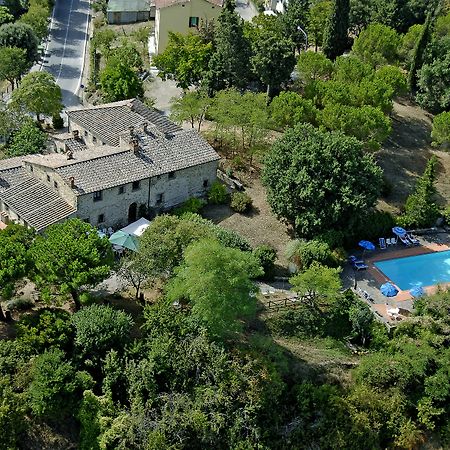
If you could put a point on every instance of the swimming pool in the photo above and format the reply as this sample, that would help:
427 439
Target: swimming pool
421 270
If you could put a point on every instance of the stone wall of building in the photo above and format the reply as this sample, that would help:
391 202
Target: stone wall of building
158 194
49 177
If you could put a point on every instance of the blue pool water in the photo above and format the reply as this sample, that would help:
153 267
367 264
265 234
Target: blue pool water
422 270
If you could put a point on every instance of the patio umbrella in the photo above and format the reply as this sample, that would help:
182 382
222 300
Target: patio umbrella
124 240
399 231
388 290
366 245
417 291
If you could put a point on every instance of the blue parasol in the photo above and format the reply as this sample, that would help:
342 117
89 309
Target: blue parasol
399 231
388 290
417 291
366 245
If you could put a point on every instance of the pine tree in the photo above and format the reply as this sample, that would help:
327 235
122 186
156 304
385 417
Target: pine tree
336 33
229 65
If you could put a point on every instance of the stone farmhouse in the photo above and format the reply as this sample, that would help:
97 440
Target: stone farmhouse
117 160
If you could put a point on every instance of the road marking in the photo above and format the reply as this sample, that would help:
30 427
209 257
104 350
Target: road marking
83 56
49 38
65 41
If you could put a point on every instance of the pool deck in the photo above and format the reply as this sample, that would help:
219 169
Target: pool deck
371 279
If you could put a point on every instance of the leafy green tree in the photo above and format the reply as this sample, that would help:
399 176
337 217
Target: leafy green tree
48 328
441 129
5 16
119 81
98 329
229 64
305 253
103 38
313 66
318 285
185 59
313 200
15 241
71 256
133 272
10 121
366 123
54 382
191 107
27 140
393 77
37 18
39 94
377 45
20 35
273 61
442 27
295 16
408 43
335 40
420 209
266 256
13 64
217 282
434 84
318 15
362 319
128 53
289 108
351 70
241 121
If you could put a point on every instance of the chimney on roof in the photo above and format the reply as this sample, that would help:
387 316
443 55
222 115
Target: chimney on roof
131 130
134 144
69 154
145 126
75 134
72 182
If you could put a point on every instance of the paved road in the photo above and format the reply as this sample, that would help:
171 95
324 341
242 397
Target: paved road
65 52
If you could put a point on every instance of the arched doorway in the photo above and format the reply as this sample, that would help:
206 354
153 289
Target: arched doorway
132 213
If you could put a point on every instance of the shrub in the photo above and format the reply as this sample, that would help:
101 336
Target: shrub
58 122
446 215
192 205
441 130
51 392
238 163
240 202
266 256
218 195
305 253
20 304
229 238
301 322
47 328
99 328
374 225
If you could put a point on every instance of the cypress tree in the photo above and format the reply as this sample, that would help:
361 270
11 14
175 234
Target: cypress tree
229 65
421 44
335 40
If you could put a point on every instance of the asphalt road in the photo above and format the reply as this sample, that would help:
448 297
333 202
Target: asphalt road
64 57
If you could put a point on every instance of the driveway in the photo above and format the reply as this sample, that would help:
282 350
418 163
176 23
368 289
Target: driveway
64 57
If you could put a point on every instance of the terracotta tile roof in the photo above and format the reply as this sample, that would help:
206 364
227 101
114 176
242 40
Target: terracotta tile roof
158 154
106 122
34 202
